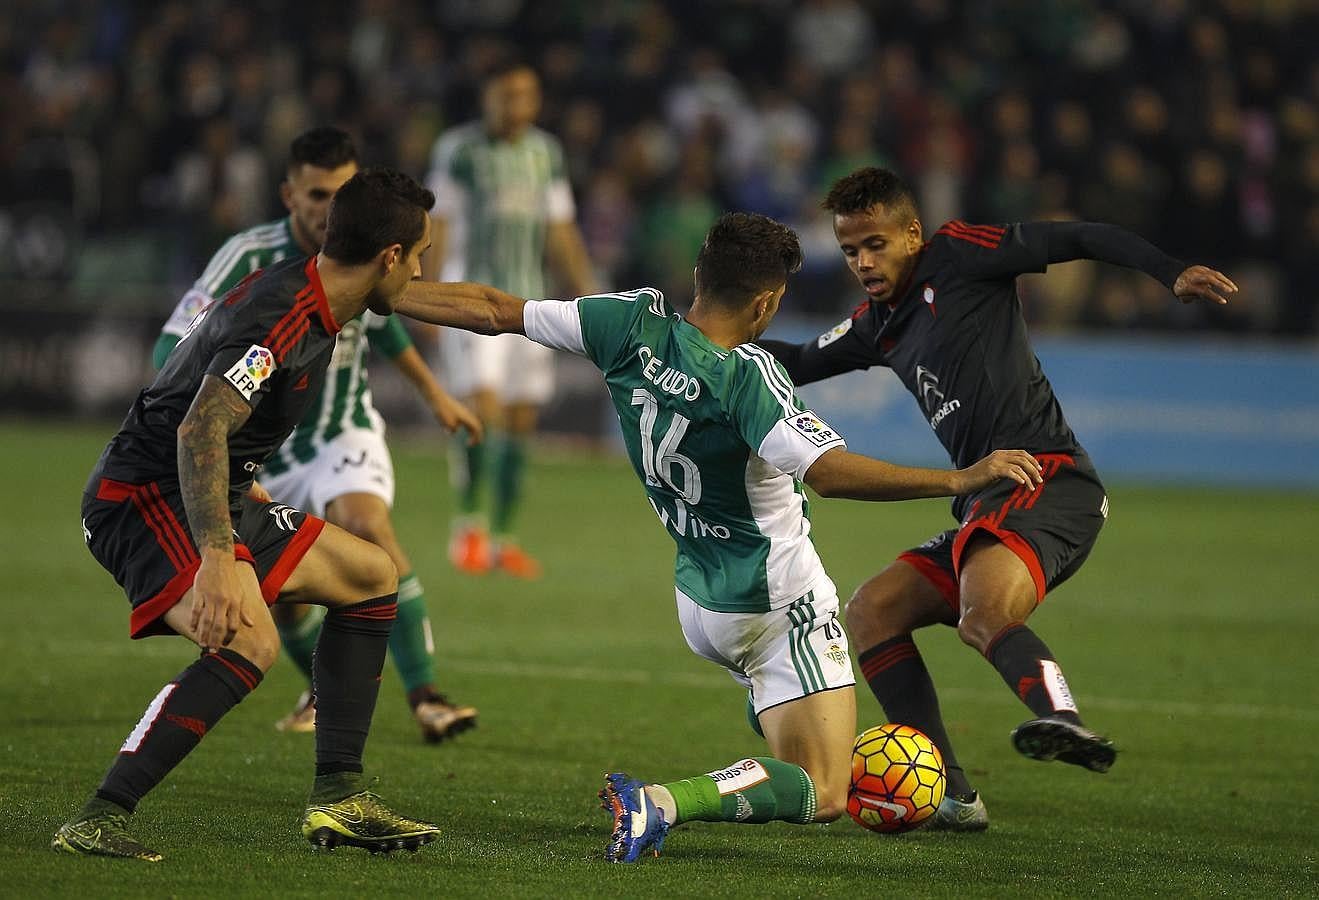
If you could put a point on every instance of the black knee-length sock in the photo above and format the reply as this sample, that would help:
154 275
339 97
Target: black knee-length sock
175 721
346 677
902 684
1031 671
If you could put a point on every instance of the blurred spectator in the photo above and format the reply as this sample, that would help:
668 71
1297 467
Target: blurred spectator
831 35
675 222
1195 123
220 186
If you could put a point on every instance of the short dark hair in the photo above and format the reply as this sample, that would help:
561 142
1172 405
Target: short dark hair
507 65
375 208
324 147
744 254
869 187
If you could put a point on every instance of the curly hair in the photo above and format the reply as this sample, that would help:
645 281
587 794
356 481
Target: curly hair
867 188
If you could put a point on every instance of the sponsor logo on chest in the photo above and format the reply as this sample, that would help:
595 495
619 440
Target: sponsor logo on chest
932 398
687 523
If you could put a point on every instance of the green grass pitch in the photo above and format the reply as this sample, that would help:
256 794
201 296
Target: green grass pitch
1190 638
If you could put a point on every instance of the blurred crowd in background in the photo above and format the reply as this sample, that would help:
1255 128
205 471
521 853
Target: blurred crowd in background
135 136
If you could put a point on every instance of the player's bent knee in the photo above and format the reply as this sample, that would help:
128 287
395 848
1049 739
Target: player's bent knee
976 629
862 607
875 612
259 645
377 572
369 526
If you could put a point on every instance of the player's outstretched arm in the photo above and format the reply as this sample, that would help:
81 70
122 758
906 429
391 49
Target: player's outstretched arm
203 457
1113 244
810 362
462 304
839 473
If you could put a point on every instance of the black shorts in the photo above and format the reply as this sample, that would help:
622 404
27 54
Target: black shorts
1051 529
139 534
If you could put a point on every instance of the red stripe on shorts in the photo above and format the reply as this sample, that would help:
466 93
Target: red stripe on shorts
943 582
297 548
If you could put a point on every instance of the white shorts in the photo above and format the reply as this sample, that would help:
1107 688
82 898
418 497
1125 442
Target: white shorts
356 461
781 655
513 366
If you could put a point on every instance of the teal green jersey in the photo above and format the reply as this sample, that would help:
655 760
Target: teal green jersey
717 437
497 197
345 401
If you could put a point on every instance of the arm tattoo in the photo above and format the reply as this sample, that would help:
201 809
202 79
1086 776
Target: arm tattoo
203 447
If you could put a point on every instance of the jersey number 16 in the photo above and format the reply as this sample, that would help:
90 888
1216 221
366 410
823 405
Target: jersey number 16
662 462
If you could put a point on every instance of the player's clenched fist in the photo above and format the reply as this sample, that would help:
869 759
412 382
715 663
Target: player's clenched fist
1018 465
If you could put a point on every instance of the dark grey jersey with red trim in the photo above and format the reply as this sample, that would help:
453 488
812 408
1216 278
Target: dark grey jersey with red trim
270 339
956 337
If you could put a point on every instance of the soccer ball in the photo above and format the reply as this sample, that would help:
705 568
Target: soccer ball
898 779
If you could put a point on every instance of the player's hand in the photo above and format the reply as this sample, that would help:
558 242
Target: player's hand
454 415
259 494
217 601
1203 283
1017 465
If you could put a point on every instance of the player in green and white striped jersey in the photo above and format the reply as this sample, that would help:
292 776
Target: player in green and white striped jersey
722 445
336 464
503 208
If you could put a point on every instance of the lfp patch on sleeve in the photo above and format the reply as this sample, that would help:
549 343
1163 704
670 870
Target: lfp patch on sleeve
834 333
249 372
813 429
739 776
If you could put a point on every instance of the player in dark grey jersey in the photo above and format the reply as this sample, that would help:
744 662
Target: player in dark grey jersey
943 314
716 435
170 511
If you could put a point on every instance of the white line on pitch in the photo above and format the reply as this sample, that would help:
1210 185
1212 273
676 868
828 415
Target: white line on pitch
714 681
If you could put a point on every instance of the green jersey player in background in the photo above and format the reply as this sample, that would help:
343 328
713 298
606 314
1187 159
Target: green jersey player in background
503 208
722 445
336 464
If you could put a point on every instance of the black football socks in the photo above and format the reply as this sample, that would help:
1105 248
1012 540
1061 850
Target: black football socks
1030 670
901 683
175 721
346 678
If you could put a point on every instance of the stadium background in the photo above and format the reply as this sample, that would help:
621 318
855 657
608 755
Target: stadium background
138 135
134 136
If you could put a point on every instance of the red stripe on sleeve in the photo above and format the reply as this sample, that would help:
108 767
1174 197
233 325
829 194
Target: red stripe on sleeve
992 232
293 319
289 340
969 239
